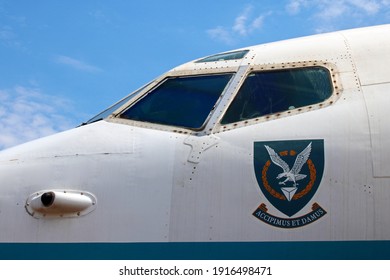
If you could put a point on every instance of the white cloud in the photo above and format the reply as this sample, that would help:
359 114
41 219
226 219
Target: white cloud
76 64
240 23
370 7
8 37
331 10
343 8
27 113
295 6
330 14
257 23
244 25
222 34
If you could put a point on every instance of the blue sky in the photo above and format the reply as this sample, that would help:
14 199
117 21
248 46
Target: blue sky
62 62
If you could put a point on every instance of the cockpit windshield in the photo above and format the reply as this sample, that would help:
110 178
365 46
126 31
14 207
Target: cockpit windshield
114 107
184 101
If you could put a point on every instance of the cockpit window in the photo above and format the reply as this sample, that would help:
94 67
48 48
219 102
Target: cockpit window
270 92
224 56
114 107
180 101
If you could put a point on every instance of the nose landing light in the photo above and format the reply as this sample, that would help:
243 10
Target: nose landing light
47 198
60 204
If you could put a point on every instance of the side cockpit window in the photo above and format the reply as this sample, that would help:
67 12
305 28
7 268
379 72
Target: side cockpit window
184 101
271 92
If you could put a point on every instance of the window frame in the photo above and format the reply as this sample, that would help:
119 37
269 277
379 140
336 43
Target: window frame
212 124
185 91
334 80
115 117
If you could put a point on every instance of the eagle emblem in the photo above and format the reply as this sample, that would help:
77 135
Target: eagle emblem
291 175
289 172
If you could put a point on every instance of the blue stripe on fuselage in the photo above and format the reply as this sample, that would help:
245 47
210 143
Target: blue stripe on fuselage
310 250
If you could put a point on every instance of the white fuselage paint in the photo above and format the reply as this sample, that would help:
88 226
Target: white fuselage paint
158 184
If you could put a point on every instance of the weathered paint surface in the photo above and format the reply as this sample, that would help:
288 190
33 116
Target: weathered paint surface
156 183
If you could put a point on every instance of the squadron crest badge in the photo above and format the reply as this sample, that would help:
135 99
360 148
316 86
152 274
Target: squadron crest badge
289 174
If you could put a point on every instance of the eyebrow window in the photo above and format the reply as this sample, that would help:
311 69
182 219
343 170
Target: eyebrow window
224 56
270 92
180 101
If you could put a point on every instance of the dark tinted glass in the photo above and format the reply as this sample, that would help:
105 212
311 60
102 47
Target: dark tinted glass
265 93
180 101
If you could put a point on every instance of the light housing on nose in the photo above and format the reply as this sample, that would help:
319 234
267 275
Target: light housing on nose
60 203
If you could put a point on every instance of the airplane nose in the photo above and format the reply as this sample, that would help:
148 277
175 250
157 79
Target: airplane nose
59 176
61 158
